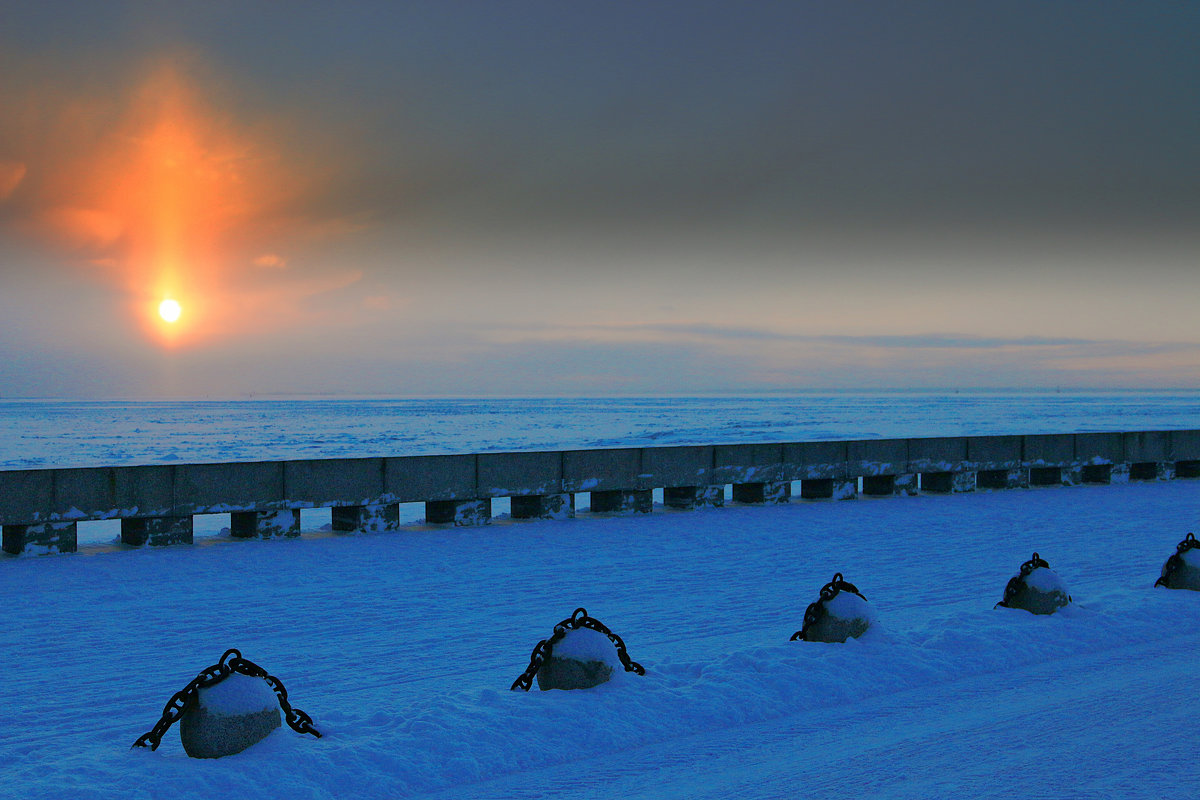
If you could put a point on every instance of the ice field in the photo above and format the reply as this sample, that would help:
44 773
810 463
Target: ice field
55 433
402 647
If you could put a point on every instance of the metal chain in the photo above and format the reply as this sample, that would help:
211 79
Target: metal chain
543 649
1032 564
1176 560
230 663
1017 582
816 611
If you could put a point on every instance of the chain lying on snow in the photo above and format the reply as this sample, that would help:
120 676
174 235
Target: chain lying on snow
1176 560
816 611
543 649
230 663
1016 583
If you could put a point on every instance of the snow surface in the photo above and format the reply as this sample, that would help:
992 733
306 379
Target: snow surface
585 644
238 694
402 647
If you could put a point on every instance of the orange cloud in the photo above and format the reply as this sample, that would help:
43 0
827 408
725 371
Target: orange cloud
11 175
270 261
89 228
173 197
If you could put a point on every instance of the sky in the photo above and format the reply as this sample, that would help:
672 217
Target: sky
549 198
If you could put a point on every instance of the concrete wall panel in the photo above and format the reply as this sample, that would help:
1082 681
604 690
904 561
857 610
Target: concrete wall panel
520 474
1147 446
1053 449
939 454
333 482
410 479
876 457
149 489
238 486
747 463
109 492
814 460
1100 448
994 452
601 470
676 466
1185 445
84 493
26 495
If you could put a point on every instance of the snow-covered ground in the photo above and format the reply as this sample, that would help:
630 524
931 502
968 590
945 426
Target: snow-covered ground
65 433
402 647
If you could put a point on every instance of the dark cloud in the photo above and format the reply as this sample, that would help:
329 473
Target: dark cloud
618 117
911 342
486 170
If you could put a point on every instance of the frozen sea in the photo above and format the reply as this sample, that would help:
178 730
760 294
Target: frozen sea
49 433
402 645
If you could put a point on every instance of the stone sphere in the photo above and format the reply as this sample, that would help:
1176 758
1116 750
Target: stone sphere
581 659
229 716
1186 574
1039 592
847 616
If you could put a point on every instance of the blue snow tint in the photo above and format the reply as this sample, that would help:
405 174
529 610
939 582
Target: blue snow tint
402 647
62 433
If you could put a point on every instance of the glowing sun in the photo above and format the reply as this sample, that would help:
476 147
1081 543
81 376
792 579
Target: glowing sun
169 310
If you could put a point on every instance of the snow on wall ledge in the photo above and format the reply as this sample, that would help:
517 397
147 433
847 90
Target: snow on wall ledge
38 507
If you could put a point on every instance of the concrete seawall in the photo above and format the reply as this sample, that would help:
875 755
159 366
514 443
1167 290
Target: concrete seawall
39 509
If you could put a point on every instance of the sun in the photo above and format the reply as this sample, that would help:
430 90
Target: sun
169 310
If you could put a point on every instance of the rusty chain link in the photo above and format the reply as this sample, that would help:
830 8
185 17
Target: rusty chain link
230 663
816 611
543 649
1176 560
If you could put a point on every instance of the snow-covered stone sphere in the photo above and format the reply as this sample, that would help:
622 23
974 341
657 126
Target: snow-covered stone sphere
581 659
229 716
1042 591
847 616
1189 577
1182 570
